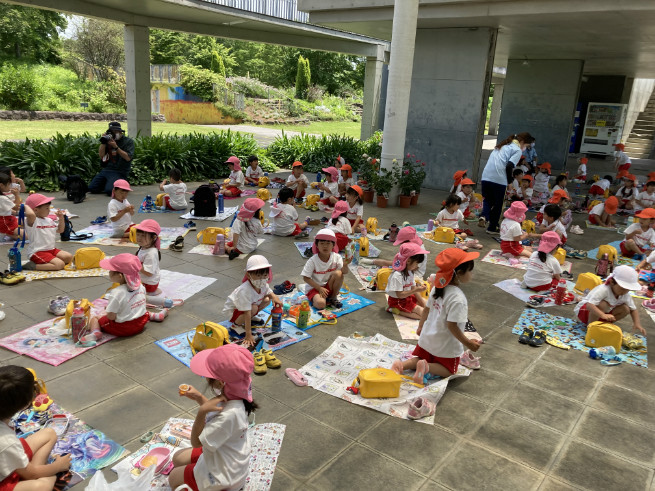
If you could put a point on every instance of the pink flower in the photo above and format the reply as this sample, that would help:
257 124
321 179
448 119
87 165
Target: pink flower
406 172
422 164
407 155
413 156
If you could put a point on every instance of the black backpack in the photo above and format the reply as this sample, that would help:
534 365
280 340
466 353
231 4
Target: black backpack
204 202
76 188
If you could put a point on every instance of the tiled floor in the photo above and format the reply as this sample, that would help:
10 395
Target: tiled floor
531 418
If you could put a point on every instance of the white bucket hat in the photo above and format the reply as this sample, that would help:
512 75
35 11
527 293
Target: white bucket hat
626 277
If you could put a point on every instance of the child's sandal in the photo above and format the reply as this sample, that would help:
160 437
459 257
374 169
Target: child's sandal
178 245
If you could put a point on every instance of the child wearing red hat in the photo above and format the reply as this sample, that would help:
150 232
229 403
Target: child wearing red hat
441 342
600 186
237 181
601 214
246 228
297 181
639 237
627 194
581 175
345 178
646 198
621 161
220 453
119 210
457 181
41 230
324 271
355 208
468 198
404 293
340 224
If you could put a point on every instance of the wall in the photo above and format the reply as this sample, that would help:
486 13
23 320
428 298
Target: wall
540 98
448 102
642 89
194 113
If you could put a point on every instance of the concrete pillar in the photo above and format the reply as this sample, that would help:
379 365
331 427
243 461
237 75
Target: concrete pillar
494 117
403 36
449 97
540 98
372 87
137 78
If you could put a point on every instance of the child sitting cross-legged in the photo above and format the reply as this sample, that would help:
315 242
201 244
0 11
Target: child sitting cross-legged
251 297
24 461
175 189
254 171
639 237
284 216
297 181
551 221
511 234
41 230
246 228
324 271
404 293
119 210
544 270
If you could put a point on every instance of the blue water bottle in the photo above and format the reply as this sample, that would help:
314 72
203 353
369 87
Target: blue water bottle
220 204
319 177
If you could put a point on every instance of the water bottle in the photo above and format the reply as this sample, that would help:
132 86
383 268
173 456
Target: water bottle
319 177
303 315
15 263
560 291
160 301
577 189
219 245
393 233
600 353
430 225
276 318
78 323
220 204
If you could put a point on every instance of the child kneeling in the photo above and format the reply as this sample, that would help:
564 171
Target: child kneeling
41 230
404 294
543 269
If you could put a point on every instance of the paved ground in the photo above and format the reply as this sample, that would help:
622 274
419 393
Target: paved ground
531 418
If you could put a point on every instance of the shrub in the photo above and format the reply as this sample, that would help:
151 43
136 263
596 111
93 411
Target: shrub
217 65
315 93
200 82
18 87
303 78
251 87
230 111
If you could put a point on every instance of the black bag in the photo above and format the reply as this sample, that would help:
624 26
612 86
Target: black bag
69 233
76 188
204 202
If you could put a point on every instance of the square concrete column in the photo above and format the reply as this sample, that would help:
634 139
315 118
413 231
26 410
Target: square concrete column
540 97
372 89
494 116
448 102
137 78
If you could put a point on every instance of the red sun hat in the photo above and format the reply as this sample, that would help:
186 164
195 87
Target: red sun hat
527 177
619 146
447 261
297 163
630 177
612 205
358 189
467 182
348 168
646 213
558 196
584 160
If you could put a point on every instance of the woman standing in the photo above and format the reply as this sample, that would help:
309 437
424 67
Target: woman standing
497 175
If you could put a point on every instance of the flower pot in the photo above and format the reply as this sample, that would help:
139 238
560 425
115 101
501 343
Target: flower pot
414 200
368 196
404 201
382 201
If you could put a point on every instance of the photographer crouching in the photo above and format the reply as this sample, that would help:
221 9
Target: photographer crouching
116 152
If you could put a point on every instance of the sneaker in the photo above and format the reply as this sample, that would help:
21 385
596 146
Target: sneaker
296 377
99 221
334 302
649 304
58 305
576 229
470 361
538 339
302 235
233 254
191 225
420 408
526 335
271 360
308 252
260 363
257 321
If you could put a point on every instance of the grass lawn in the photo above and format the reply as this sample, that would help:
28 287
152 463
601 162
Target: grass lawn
348 128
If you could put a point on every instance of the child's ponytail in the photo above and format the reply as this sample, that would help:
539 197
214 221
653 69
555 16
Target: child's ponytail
542 256
336 219
459 270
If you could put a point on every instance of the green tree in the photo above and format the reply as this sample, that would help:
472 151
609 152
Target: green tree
169 47
217 65
98 44
30 33
200 81
303 78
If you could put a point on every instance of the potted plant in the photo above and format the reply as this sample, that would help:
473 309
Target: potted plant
410 181
383 182
366 175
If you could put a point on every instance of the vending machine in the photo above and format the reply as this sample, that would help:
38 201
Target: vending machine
603 127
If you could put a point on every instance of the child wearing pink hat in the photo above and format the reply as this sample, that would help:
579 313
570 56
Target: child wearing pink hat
544 270
147 238
119 210
340 224
511 234
324 271
404 294
237 180
330 187
41 229
246 228
220 453
405 235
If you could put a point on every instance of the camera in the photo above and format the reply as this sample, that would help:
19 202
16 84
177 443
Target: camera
104 139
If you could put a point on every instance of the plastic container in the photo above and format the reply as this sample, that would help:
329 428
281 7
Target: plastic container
78 324
319 177
219 245
560 291
183 389
276 318
600 353
303 315
15 263
221 206
430 225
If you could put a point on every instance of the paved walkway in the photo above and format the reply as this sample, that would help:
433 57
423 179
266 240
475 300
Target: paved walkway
264 135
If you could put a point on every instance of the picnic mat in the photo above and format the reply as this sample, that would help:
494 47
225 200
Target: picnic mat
336 368
365 275
155 209
268 229
265 441
227 213
495 256
174 284
513 287
572 333
102 236
599 227
373 251
620 259
206 250
31 275
89 448
178 345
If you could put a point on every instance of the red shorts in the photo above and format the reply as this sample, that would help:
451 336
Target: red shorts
597 190
512 247
583 314
547 286
189 478
311 293
123 329
296 230
593 219
8 224
467 213
581 178
625 252
326 201
167 203
44 257
236 314
234 191
10 482
231 244
151 288
406 304
301 195
352 222
625 166
342 241
451 364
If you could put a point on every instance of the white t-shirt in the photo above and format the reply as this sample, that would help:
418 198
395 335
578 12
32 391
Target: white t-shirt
12 454
557 226
332 189
348 182
125 304
651 259
254 174
541 182
466 201
557 188
524 194
150 259
244 297
292 181
644 240
602 183
357 210
397 283
113 208
494 170
247 234
436 338
623 157
510 229
237 179
627 193
6 205
283 219
604 292
320 271
598 209
42 235
341 227
582 170
647 200
226 450
539 273
177 194
447 219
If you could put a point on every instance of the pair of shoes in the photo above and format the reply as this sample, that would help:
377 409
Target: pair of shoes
178 245
576 254
470 361
536 300
566 275
265 359
11 278
420 408
576 229
158 316
529 336
99 221
308 252
58 305
302 235
284 288
334 302
462 246
191 225
233 254
257 321
649 304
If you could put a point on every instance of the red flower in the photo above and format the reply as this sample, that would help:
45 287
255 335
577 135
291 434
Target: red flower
406 172
422 164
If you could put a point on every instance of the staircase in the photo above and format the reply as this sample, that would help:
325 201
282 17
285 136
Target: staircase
640 142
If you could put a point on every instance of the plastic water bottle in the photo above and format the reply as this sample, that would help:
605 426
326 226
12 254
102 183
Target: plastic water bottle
219 245
319 177
78 323
430 225
15 263
303 315
220 204
600 353
276 318
560 291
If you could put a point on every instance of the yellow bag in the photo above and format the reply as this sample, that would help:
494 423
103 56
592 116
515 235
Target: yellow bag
378 382
382 278
312 199
587 282
264 194
363 246
611 252
601 334
528 226
372 226
208 235
444 234
133 235
208 335
560 255
159 200
87 258
263 182
84 304
425 294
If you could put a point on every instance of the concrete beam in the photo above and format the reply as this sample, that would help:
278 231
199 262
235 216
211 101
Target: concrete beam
137 77
372 88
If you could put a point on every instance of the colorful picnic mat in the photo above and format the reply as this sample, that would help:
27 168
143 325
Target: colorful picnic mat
572 333
620 259
513 287
373 251
206 250
227 213
102 236
495 256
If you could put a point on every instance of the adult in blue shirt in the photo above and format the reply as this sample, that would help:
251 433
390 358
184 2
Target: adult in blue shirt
116 152
497 174
530 155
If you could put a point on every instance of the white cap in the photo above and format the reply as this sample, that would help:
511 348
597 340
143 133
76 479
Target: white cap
257 262
626 277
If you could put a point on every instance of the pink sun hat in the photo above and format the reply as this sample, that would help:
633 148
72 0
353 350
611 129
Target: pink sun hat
404 253
150 225
36 199
234 160
249 208
516 212
407 234
231 364
333 171
549 241
340 208
126 264
325 234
